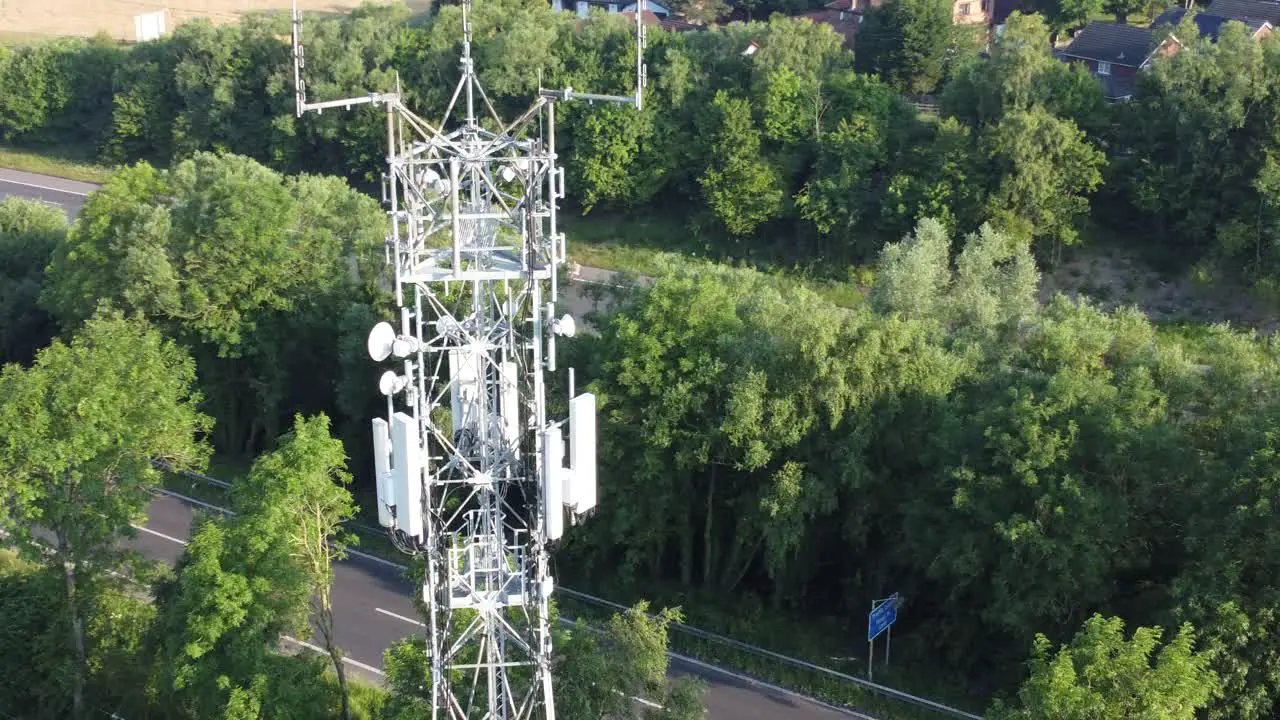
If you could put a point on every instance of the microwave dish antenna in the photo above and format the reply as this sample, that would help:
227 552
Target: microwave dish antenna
471 474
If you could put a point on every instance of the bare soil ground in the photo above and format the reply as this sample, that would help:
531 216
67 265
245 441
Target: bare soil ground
30 18
1112 277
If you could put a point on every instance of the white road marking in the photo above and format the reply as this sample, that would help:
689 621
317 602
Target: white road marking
642 701
376 559
149 531
44 187
223 510
194 501
349 661
399 617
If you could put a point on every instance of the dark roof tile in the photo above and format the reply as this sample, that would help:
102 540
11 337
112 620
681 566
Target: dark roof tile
1208 25
1108 42
1258 10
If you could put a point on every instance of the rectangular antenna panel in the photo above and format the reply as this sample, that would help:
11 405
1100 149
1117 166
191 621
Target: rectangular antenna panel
553 481
510 404
382 471
464 371
406 474
581 493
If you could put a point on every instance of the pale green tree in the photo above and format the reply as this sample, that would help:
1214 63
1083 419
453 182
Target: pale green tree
301 486
607 673
1101 674
915 274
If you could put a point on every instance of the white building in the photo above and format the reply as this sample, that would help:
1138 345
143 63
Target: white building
582 7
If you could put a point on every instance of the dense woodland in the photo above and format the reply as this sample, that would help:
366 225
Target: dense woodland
1024 474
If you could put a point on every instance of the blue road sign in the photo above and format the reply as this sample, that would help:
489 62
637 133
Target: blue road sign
882 617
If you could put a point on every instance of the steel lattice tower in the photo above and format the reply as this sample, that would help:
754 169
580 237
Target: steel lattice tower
470 473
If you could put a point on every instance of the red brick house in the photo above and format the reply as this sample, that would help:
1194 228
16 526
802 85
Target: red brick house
1115 54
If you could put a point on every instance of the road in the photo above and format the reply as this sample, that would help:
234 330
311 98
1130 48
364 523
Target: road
372 602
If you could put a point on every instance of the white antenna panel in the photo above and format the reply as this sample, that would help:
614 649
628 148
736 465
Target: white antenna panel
510 404
553 481
406 474
464 370
382 471
582 453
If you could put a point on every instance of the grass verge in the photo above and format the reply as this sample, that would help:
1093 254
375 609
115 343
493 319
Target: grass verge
72 165
649 245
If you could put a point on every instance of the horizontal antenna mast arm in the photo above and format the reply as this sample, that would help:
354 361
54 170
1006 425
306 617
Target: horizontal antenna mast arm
570 94
348 102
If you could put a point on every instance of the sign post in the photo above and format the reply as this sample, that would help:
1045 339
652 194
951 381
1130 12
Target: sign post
880 619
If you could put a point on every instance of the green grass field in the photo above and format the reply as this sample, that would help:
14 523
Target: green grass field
71 164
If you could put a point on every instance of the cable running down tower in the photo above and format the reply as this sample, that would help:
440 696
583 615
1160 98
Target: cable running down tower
470 473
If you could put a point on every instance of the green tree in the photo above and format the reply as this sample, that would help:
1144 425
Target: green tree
246 267
1067 15
601 674
1047 170
1122 9
29 230
843 189
939 177
741 189
906 43
701 12
35 660
83 428
1022 74
237 589
1101 674
301 486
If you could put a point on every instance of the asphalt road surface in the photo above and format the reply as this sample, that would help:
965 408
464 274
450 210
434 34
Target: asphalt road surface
372 602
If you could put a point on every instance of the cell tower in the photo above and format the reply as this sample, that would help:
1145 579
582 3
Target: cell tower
470 474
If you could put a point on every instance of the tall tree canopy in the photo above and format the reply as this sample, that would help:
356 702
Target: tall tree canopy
83 428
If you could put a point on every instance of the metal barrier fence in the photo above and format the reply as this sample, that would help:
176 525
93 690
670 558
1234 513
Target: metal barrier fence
867 685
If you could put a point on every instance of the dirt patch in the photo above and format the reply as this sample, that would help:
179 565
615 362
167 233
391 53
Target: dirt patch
1113 277
86 18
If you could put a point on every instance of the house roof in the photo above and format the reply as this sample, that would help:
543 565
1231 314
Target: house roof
1208 25
1247 9
1115 87
1108 42
665 23
846 27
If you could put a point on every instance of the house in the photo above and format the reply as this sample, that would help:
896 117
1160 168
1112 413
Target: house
972 12
964 12
844 16
844 22
1210 25
1257 10
666 23
1115 53
583 7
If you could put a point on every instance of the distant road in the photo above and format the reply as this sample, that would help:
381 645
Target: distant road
68 194
372 602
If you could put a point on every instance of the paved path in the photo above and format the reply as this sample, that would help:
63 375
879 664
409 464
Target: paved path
372 602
